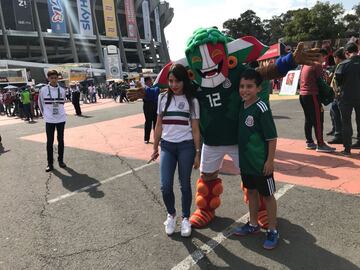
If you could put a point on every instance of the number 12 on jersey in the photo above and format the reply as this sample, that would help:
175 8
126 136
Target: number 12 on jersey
214 99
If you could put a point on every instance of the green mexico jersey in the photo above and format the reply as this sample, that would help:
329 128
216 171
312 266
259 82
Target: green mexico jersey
219 110
256 128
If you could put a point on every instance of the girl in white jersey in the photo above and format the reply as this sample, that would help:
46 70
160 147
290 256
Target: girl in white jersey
177 131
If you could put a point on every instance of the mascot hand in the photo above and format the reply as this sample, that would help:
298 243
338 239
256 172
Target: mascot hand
134 94
306 57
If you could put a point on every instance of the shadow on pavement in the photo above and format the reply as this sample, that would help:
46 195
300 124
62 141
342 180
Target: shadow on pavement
77 181
292 163
85 116
297 249
2 149
279 117
197 239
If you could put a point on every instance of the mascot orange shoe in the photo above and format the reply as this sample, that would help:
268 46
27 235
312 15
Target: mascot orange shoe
207 200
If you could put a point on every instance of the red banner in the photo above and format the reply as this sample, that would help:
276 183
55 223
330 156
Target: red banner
130 19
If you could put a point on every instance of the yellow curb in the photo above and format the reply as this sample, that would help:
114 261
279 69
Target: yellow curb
277 97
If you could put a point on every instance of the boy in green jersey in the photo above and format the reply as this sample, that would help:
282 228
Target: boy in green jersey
257 143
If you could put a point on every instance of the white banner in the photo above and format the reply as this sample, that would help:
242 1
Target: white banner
146 16
113 65
157 24
85 18
290 83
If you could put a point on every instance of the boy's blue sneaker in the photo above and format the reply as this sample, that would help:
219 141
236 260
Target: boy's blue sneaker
246 229
272 239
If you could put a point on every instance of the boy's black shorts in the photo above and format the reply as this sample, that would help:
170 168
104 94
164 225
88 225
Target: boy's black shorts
265 185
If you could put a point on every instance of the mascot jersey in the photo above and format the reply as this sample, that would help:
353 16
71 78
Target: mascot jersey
219 107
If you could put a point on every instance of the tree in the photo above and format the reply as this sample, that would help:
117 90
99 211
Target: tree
326 21
297 25
352 22
274 29
247 24
322 21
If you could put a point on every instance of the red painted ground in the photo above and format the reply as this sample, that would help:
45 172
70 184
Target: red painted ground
294 164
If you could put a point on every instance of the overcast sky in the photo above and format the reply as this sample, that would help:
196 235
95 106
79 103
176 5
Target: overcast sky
192 14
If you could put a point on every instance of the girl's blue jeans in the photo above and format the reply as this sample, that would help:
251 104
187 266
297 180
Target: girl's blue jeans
181 154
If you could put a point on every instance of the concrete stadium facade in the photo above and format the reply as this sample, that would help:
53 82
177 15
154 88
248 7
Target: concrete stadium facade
46 47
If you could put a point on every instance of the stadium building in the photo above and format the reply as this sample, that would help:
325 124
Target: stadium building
41 33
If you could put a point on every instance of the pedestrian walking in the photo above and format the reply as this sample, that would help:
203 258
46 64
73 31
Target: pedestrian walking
51 101
26 101
75 94
178 133
150 108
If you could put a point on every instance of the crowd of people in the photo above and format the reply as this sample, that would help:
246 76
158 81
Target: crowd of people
340 71
22 101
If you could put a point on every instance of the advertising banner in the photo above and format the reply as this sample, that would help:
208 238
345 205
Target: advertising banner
57 16
113 65
85 18
146 17
130 19
9 76
109 17
23 15
157 24
290 83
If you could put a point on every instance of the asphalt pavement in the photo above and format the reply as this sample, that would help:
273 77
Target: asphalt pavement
105 210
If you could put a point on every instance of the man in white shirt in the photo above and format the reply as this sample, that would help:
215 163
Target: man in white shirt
51 102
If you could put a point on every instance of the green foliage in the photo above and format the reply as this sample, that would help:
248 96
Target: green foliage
247 24
323 21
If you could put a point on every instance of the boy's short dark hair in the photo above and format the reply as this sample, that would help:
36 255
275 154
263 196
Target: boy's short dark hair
52 72
252 74
340 53
351 48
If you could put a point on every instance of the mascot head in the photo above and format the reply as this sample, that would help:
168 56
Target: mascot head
206 54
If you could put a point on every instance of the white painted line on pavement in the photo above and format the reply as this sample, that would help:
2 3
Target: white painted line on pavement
70 194
208 247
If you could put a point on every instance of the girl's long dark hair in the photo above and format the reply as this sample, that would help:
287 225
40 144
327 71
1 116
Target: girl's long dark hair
181 74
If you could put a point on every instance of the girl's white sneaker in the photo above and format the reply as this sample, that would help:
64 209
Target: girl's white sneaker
185 227
170 224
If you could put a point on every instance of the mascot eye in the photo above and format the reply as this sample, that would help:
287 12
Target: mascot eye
216 53
195 59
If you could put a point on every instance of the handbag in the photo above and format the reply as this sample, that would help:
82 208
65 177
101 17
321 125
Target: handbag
326 93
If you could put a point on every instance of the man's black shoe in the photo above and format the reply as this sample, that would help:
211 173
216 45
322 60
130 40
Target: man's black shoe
331 133
335 141
49 168
345 153
62 164
356 145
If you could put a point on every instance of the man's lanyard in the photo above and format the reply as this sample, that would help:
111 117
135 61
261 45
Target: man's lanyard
58 100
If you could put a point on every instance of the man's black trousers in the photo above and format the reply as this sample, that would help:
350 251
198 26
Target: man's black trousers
50 132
